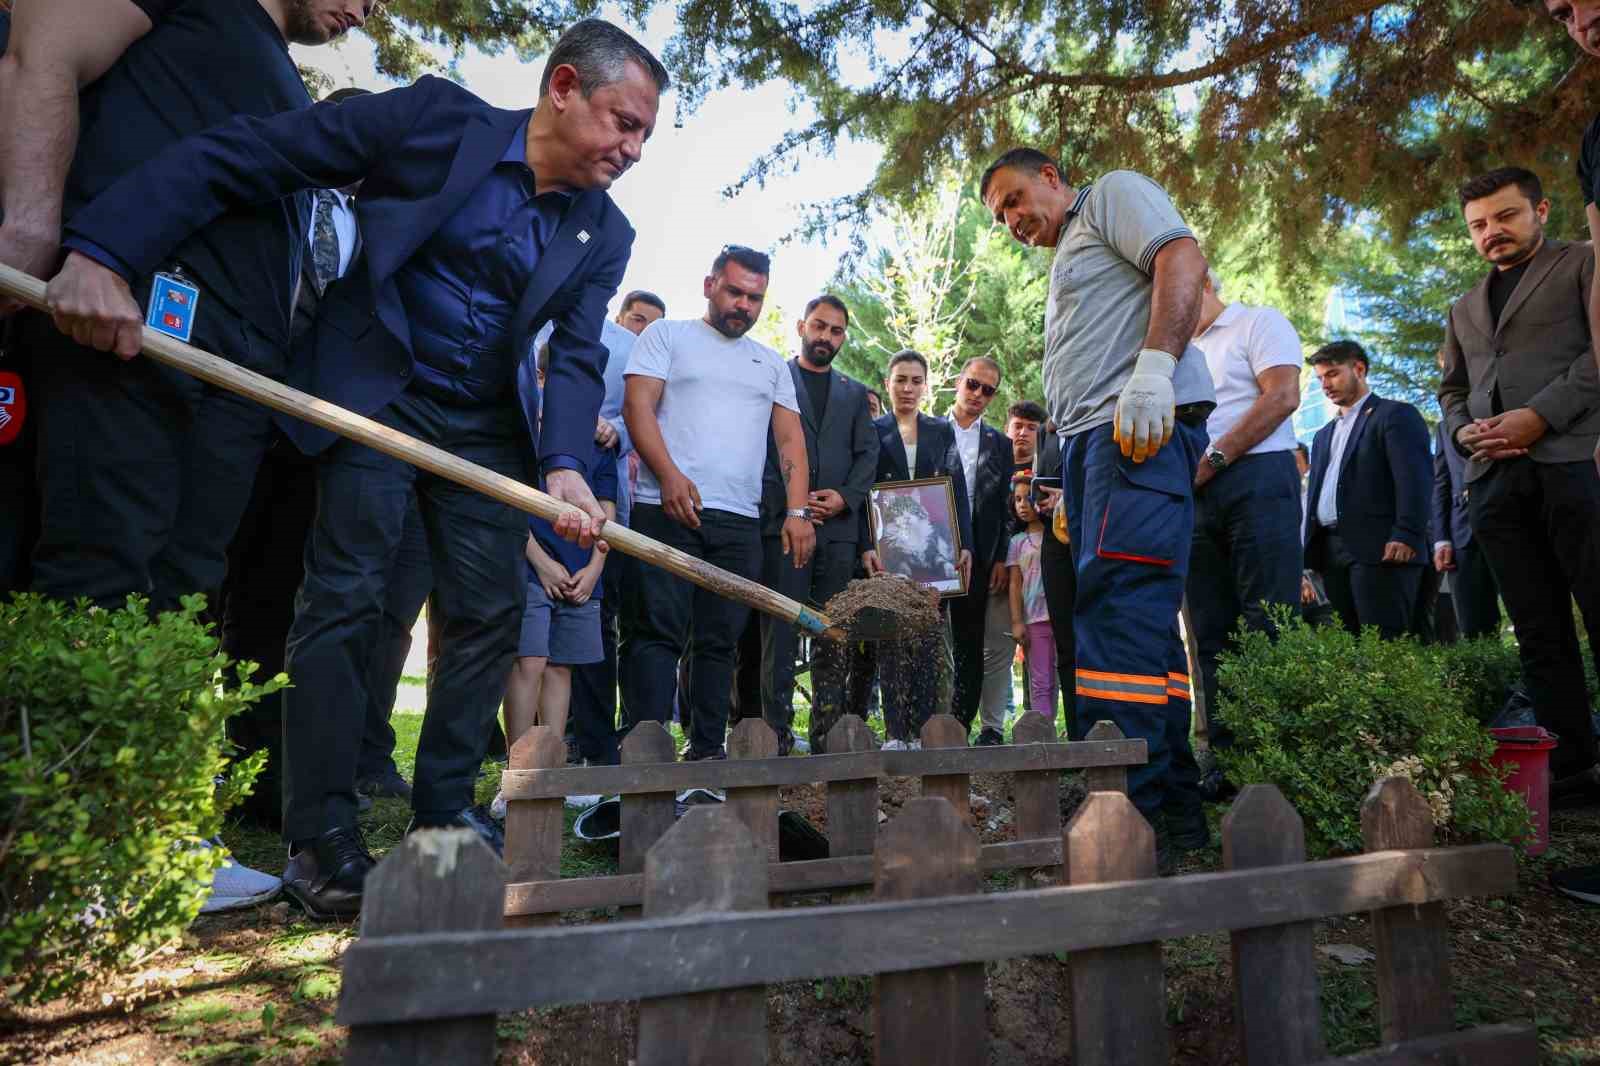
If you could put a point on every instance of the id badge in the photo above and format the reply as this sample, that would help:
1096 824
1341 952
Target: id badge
173 303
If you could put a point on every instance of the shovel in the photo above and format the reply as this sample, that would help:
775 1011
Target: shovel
226 375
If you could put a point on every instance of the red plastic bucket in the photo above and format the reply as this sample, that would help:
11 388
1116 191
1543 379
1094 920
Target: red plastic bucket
1525 751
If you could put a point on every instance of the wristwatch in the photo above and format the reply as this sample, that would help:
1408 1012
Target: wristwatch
802 513
1217 460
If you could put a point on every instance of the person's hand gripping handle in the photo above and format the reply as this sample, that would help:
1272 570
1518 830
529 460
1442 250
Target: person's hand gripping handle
1146 410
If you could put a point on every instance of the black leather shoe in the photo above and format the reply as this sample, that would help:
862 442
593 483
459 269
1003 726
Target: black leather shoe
989 738
690 755
327 878
1188 830
387 785
476 819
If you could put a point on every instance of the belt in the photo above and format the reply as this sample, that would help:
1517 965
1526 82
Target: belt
1194 414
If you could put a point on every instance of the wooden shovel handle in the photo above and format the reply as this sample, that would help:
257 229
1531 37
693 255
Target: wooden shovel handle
513 493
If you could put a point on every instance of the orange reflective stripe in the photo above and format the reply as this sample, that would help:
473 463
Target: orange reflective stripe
1126 679
1180 693
1124 697
1182 679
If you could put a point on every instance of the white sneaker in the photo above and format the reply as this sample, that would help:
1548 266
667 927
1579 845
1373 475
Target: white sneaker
235 887
895 745
915 745
497 807
582 802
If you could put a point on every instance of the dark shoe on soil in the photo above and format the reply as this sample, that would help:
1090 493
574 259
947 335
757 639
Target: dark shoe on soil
1581 789
1188 830
691 755
1214 788
387 785
476 819
326 878
1167 852
1581 883
989 738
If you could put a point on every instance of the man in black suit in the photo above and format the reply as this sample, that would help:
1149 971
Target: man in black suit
980 621
1474 595
842 448
1368 497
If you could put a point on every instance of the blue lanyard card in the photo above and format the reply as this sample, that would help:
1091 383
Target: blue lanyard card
173 303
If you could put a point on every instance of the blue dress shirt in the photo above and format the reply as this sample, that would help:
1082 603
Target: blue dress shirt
461 288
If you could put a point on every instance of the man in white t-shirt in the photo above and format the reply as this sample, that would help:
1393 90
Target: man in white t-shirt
1246 551
699 399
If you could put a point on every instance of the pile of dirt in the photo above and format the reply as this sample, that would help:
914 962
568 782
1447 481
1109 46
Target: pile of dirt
913 609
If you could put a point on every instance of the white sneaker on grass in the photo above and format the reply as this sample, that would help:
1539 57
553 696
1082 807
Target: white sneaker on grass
895 745
235 887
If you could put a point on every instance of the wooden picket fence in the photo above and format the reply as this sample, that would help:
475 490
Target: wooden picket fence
433 966
650 778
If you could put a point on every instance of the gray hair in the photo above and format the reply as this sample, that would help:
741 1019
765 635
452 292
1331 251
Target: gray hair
1216 282
600 53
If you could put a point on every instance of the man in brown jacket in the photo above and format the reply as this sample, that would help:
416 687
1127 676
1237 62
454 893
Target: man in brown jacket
1521 400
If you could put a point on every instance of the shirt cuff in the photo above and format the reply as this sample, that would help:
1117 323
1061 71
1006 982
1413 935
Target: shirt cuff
99 255
563 462
1442 544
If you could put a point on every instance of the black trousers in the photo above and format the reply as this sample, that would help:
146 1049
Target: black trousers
664 616
821 579
1245 556
1371 594
593 715
475 545
1060 575
969 616
144 471
1474 594
1539 526
266 563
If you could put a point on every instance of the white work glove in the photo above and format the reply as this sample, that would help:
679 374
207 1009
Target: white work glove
1146 409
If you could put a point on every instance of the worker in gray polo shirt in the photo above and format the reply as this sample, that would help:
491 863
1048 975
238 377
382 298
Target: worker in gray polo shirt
1130 395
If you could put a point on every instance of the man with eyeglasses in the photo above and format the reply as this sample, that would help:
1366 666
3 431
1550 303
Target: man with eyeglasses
699 399
980 621
1130 394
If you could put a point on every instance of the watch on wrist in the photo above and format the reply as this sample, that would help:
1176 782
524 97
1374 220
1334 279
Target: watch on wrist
1217 460
802 513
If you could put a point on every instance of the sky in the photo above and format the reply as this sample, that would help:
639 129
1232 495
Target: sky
673 196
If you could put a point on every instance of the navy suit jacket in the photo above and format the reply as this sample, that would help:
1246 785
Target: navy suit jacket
842 450
991 511
419 152
937 456
1449 518
1384 481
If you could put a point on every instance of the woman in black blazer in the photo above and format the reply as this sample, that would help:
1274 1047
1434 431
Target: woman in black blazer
916 675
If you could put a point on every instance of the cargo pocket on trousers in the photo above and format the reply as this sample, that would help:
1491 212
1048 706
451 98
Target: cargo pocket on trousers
1142 521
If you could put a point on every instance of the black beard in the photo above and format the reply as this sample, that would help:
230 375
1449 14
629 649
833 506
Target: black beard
300 24
820 354
732 326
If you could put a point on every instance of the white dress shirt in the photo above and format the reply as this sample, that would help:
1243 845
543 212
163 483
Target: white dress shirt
344 224
967 444
1328 498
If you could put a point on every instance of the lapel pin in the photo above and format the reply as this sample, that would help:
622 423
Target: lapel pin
583 236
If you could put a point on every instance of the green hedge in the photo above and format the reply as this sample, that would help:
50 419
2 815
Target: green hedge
111 742
1323 714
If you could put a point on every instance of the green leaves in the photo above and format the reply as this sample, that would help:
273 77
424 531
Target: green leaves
110 746
1323 714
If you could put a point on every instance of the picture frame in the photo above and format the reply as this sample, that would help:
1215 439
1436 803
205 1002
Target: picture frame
915 532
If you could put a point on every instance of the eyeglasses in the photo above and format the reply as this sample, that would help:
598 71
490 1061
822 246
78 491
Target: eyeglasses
977 386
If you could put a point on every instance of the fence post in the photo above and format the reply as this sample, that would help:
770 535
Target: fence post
1412 942
534 827
852 805
929 1017
645 815
1106 778
757 807
706 862
1037 792
1274 967
945 731
434 881
1119 1001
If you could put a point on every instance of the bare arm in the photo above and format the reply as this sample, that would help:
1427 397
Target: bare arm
680 497
1280 395
793 466
1179 273
57 47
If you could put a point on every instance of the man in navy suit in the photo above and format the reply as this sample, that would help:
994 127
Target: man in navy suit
1474 595
479 225
1368 498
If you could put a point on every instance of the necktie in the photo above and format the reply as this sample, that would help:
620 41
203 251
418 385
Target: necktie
324 242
